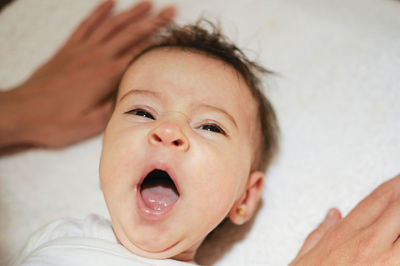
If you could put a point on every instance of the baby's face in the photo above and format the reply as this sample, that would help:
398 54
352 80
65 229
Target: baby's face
177 152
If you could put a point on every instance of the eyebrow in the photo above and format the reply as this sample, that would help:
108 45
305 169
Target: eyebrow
153 93
143 92
220 110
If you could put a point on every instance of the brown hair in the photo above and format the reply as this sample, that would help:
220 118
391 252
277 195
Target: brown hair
209 40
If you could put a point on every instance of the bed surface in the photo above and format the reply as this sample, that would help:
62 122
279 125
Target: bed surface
336 93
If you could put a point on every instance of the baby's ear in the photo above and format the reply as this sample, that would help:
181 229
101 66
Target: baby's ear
246 205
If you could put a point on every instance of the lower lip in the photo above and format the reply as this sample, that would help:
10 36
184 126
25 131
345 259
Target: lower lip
150 214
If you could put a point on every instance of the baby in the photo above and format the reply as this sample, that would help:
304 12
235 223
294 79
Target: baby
187 146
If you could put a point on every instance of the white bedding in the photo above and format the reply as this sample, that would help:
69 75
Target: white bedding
81 242
337 95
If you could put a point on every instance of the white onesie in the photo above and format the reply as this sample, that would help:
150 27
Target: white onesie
81 242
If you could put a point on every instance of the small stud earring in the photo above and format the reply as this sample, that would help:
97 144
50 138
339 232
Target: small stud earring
241 210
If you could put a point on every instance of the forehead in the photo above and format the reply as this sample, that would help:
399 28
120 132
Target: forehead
187 72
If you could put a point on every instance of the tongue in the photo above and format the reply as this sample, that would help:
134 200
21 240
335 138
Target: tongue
159 197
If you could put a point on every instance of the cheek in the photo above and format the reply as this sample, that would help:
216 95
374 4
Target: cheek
220 176
117 164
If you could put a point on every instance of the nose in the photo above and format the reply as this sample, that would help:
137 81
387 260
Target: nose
169 134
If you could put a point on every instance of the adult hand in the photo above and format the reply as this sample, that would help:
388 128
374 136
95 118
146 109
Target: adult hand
68 98
366 236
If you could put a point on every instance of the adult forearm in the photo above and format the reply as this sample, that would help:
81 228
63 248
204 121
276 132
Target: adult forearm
12 122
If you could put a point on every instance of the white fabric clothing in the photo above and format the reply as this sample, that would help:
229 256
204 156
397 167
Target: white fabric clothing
91 241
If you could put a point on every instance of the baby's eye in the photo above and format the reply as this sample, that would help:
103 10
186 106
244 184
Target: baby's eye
140 112
213 128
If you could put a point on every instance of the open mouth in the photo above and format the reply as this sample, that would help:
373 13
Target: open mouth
158 191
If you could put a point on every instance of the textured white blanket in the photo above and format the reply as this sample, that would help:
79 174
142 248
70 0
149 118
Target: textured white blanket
337 96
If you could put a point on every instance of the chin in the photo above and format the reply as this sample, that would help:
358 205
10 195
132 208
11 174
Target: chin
149 218
160 250
181 251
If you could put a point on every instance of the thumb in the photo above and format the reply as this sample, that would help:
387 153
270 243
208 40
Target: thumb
331 218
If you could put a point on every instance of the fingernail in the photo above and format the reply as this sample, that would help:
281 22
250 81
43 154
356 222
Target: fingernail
330 213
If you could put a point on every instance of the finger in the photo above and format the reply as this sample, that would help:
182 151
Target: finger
88 25
121 63
387 227
118 22
138 32
332 217
369 209
129 54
